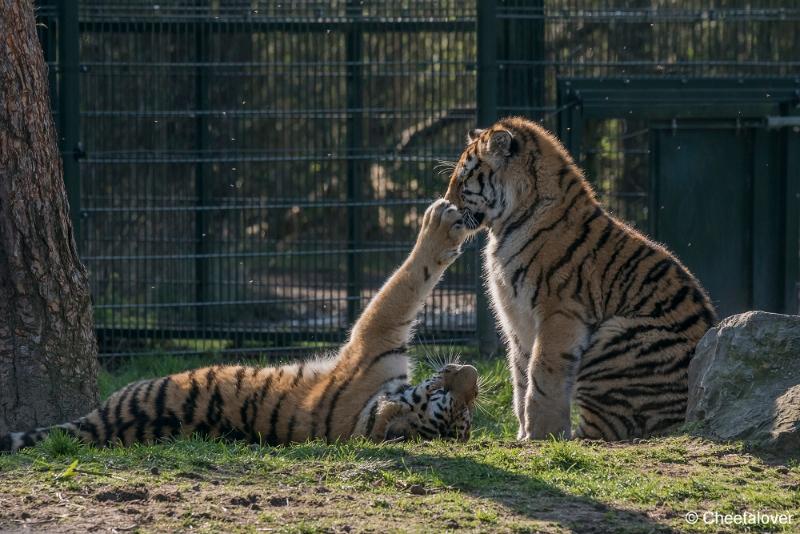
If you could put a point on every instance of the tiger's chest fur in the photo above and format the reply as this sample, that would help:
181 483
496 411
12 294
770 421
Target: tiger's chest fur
614 316
517 320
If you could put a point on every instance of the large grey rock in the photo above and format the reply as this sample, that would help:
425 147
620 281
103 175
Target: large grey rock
744 381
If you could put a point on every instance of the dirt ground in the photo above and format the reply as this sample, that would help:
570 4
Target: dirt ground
481 486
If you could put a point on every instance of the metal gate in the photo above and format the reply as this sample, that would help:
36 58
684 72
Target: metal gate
716 176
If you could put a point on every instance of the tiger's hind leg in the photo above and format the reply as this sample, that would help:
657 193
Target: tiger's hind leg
621 415
598 420
518 362
633 380
551 376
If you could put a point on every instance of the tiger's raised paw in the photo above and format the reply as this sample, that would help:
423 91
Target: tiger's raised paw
442 232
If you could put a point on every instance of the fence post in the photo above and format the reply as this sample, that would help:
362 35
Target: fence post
201 132
521 59
69 106
487 114
354 57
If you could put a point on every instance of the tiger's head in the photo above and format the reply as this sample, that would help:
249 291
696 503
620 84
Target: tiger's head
513 164
439 407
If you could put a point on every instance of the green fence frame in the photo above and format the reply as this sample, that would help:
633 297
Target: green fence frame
525 54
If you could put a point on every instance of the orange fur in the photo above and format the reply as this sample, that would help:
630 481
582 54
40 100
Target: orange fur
363 390
592 311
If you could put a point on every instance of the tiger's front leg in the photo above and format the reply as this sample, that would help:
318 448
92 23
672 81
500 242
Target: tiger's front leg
440 237
387 321
518 363
551 375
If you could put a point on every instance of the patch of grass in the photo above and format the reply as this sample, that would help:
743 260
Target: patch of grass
58 444
486 516
487 482
567 456
491 482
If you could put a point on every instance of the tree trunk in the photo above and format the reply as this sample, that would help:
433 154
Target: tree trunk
48 352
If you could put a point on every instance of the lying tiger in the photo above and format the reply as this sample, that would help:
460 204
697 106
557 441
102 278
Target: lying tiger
362 391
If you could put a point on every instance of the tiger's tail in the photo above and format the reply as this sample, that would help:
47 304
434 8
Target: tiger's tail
80 428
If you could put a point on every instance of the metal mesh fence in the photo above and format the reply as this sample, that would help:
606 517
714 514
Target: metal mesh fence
254 170
545 42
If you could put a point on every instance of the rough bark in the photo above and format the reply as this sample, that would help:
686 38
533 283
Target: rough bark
48 364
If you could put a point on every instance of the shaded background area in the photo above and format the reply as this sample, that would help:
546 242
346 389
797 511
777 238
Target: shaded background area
244 175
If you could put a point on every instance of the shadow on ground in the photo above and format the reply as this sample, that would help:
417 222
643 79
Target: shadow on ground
769 455
523 495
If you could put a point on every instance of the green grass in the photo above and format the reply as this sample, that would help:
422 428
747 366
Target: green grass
491 482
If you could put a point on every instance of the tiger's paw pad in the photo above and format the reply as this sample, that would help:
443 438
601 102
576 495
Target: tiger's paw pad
443 230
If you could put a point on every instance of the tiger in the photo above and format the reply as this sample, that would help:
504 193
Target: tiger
592 312
362 390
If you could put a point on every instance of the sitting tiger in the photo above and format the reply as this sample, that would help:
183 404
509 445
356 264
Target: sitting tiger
363 391
590 308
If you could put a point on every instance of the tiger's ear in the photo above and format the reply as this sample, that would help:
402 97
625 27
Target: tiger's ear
473 135
500 143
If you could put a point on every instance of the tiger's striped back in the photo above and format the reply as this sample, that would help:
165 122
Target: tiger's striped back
592 311
239 402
